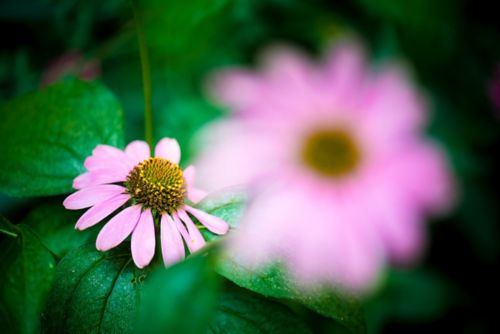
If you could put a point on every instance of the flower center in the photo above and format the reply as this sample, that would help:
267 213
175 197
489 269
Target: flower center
331 152
158 184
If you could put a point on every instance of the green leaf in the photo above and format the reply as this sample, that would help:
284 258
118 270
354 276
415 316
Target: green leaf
240 311
273 281
26 273
46 135
180 299
93 292
56 228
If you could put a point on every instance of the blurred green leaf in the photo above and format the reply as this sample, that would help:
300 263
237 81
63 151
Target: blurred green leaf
46 136
93 292
180 299
56 228
26 273
240 311
273 281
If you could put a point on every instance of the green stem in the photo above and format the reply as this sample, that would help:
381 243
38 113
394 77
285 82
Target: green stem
9 233
146 76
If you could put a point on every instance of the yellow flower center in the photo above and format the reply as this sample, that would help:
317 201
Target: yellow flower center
158 184
331 152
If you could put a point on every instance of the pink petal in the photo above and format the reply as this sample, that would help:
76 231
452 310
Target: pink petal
214 224
105 157
118 228
172 247
180 227
195 195
121 163
345 72
91 196
100 211
98 177
392 106
107 151
189 175
138 151
143 240
194 238
169 149
235 88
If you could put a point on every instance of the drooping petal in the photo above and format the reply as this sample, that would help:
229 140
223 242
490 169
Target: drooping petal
214 224
172 247
169 149
138 151
118 228
97 177
143 240
90 196
195 195
194 239
100 211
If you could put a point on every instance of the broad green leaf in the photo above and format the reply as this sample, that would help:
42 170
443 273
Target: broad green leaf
273 281
93 292
240 311
46 135
180 299
26 273
56 228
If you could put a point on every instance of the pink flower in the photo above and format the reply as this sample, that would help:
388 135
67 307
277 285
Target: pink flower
494 89
334 156
143 192
71 63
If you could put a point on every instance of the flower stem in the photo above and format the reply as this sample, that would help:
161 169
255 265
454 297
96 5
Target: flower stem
146 76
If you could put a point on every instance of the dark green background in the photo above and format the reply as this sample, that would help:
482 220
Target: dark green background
454 46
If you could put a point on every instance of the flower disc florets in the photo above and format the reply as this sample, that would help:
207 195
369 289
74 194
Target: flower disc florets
331 152
158 184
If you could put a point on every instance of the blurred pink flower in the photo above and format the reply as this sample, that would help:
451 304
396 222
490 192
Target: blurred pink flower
142 190
71 63
334 156
494 89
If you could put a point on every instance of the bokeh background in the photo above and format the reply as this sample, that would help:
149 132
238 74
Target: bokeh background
452 46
